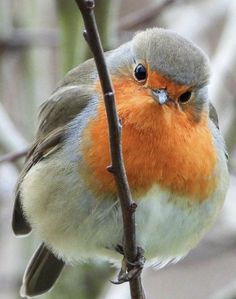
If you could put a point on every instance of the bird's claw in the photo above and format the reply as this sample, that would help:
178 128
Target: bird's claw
128 273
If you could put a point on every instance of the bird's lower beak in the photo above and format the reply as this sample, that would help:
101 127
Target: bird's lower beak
160 96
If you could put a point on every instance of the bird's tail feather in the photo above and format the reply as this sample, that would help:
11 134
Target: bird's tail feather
41 273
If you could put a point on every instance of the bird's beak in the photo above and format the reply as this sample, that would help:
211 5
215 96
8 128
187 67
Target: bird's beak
160 96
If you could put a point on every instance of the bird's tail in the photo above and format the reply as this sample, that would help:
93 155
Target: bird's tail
41 273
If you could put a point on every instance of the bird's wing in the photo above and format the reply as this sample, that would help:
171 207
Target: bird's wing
68 100
40 149
214 117
70 97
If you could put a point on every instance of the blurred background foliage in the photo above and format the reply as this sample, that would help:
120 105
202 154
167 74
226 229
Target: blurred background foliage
40 41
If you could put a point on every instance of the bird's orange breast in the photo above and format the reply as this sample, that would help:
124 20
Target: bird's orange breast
160 145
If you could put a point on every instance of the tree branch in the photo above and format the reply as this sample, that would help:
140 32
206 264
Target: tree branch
10 137
146 14
117 167
21 38
11 157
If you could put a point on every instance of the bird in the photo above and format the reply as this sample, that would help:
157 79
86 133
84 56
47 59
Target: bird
174 155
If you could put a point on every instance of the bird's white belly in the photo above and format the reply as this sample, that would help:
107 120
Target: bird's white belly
168 226
76 226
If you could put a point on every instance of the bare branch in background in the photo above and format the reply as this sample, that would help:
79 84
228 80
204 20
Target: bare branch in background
10 137
11 157
136 18
21 38
117 168
11 141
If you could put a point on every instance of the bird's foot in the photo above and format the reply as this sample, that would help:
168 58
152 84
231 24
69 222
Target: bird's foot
130 270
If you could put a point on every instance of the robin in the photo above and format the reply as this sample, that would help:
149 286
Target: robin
174 156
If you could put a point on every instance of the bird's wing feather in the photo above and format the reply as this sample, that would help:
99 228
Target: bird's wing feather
214 118
70 97
68 100
213 115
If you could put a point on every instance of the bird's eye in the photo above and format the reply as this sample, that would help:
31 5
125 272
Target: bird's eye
185 97
140 73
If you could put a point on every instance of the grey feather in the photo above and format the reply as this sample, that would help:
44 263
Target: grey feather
214 118
173 56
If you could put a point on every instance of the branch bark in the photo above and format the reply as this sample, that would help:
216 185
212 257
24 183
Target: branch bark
117 167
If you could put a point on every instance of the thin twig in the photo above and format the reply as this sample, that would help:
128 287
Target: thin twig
117 167
146 14
11 157
10 138
21 38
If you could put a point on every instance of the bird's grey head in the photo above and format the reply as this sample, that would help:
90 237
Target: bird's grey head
172 56
171 67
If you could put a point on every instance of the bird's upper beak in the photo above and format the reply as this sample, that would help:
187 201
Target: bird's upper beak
160 96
